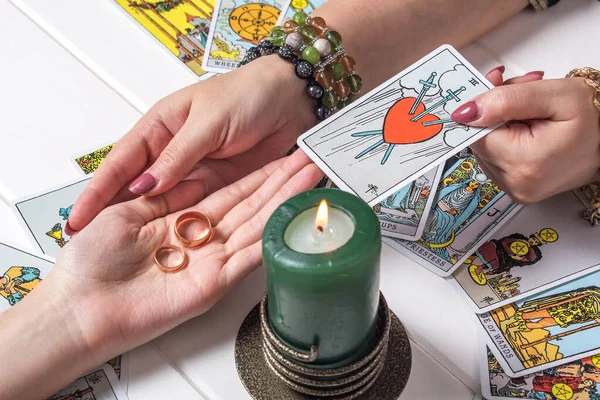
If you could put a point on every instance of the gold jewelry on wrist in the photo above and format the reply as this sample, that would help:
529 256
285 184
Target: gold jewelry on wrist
592 78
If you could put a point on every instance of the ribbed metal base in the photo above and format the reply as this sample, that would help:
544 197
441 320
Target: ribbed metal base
268 375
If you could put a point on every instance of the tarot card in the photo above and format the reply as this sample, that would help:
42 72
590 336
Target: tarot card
100 384
44 216
295 6
468 208
404 214
20 273
400 130
89 162
545 245
181 26
120 365
238 25
548 329
579 379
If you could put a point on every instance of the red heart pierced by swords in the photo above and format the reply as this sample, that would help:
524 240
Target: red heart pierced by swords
399 129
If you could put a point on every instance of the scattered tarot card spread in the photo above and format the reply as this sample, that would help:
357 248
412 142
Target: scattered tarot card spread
20 273
579 379
540 248
238 25
181 26
468 208
546 330
100 384
400 130
306 6
403 215
44 216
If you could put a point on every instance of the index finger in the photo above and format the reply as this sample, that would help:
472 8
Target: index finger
127 159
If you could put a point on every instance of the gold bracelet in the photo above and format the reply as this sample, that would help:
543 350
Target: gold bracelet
592 78
592 191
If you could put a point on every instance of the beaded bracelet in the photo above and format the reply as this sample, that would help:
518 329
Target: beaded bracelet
315 43
304 70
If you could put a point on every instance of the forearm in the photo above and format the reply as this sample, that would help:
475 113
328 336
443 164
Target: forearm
40 346
388 35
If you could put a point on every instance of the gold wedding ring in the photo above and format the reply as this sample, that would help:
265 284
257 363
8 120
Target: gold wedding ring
195 239
162 254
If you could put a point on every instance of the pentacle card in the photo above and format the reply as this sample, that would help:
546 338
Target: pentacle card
546 330
403 215
181 26
545 245
468 208
44 216
237 26
20 273
579 379
400 130
100 384
306 6
89 162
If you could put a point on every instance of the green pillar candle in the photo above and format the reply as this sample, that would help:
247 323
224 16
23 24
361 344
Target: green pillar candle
323 277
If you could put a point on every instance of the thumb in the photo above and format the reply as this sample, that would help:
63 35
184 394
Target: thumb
524 101
184 151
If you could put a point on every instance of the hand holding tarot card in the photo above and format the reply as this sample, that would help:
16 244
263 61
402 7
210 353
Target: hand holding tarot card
399 130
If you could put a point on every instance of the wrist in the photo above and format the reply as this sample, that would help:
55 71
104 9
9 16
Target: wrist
52 351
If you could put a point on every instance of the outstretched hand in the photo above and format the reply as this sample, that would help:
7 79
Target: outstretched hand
108 270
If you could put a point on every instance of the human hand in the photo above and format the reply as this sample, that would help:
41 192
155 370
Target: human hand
121 299
215 131
550 144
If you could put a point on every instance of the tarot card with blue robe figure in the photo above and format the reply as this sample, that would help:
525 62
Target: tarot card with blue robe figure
400 130
44 216
546 330
20 273
404 214
467 210
545 245
306 6
238 25
579 379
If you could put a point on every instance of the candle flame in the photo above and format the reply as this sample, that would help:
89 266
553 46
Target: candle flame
322 216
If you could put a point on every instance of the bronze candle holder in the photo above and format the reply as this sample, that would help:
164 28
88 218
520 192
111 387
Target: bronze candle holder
271 370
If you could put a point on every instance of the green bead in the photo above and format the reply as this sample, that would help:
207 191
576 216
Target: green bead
311 55
307 33
335 39
355 82
343 103
277 37
330 99
300 18
336 70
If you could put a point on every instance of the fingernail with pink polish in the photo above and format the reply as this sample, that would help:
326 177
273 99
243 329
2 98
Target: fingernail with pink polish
466 113
143 184
68 230
540 73
501 68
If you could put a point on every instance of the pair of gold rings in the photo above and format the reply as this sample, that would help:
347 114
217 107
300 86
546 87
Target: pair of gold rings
201 232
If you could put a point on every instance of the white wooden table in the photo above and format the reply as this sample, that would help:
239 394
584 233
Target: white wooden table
78 74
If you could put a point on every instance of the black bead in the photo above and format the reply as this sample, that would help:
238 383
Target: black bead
242 63
304 69
286 52
294 59
266 47
323 112
252 54
315 91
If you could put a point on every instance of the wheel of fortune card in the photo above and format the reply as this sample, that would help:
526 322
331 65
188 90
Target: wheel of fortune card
253 21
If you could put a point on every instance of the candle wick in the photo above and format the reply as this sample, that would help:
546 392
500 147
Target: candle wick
320 228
